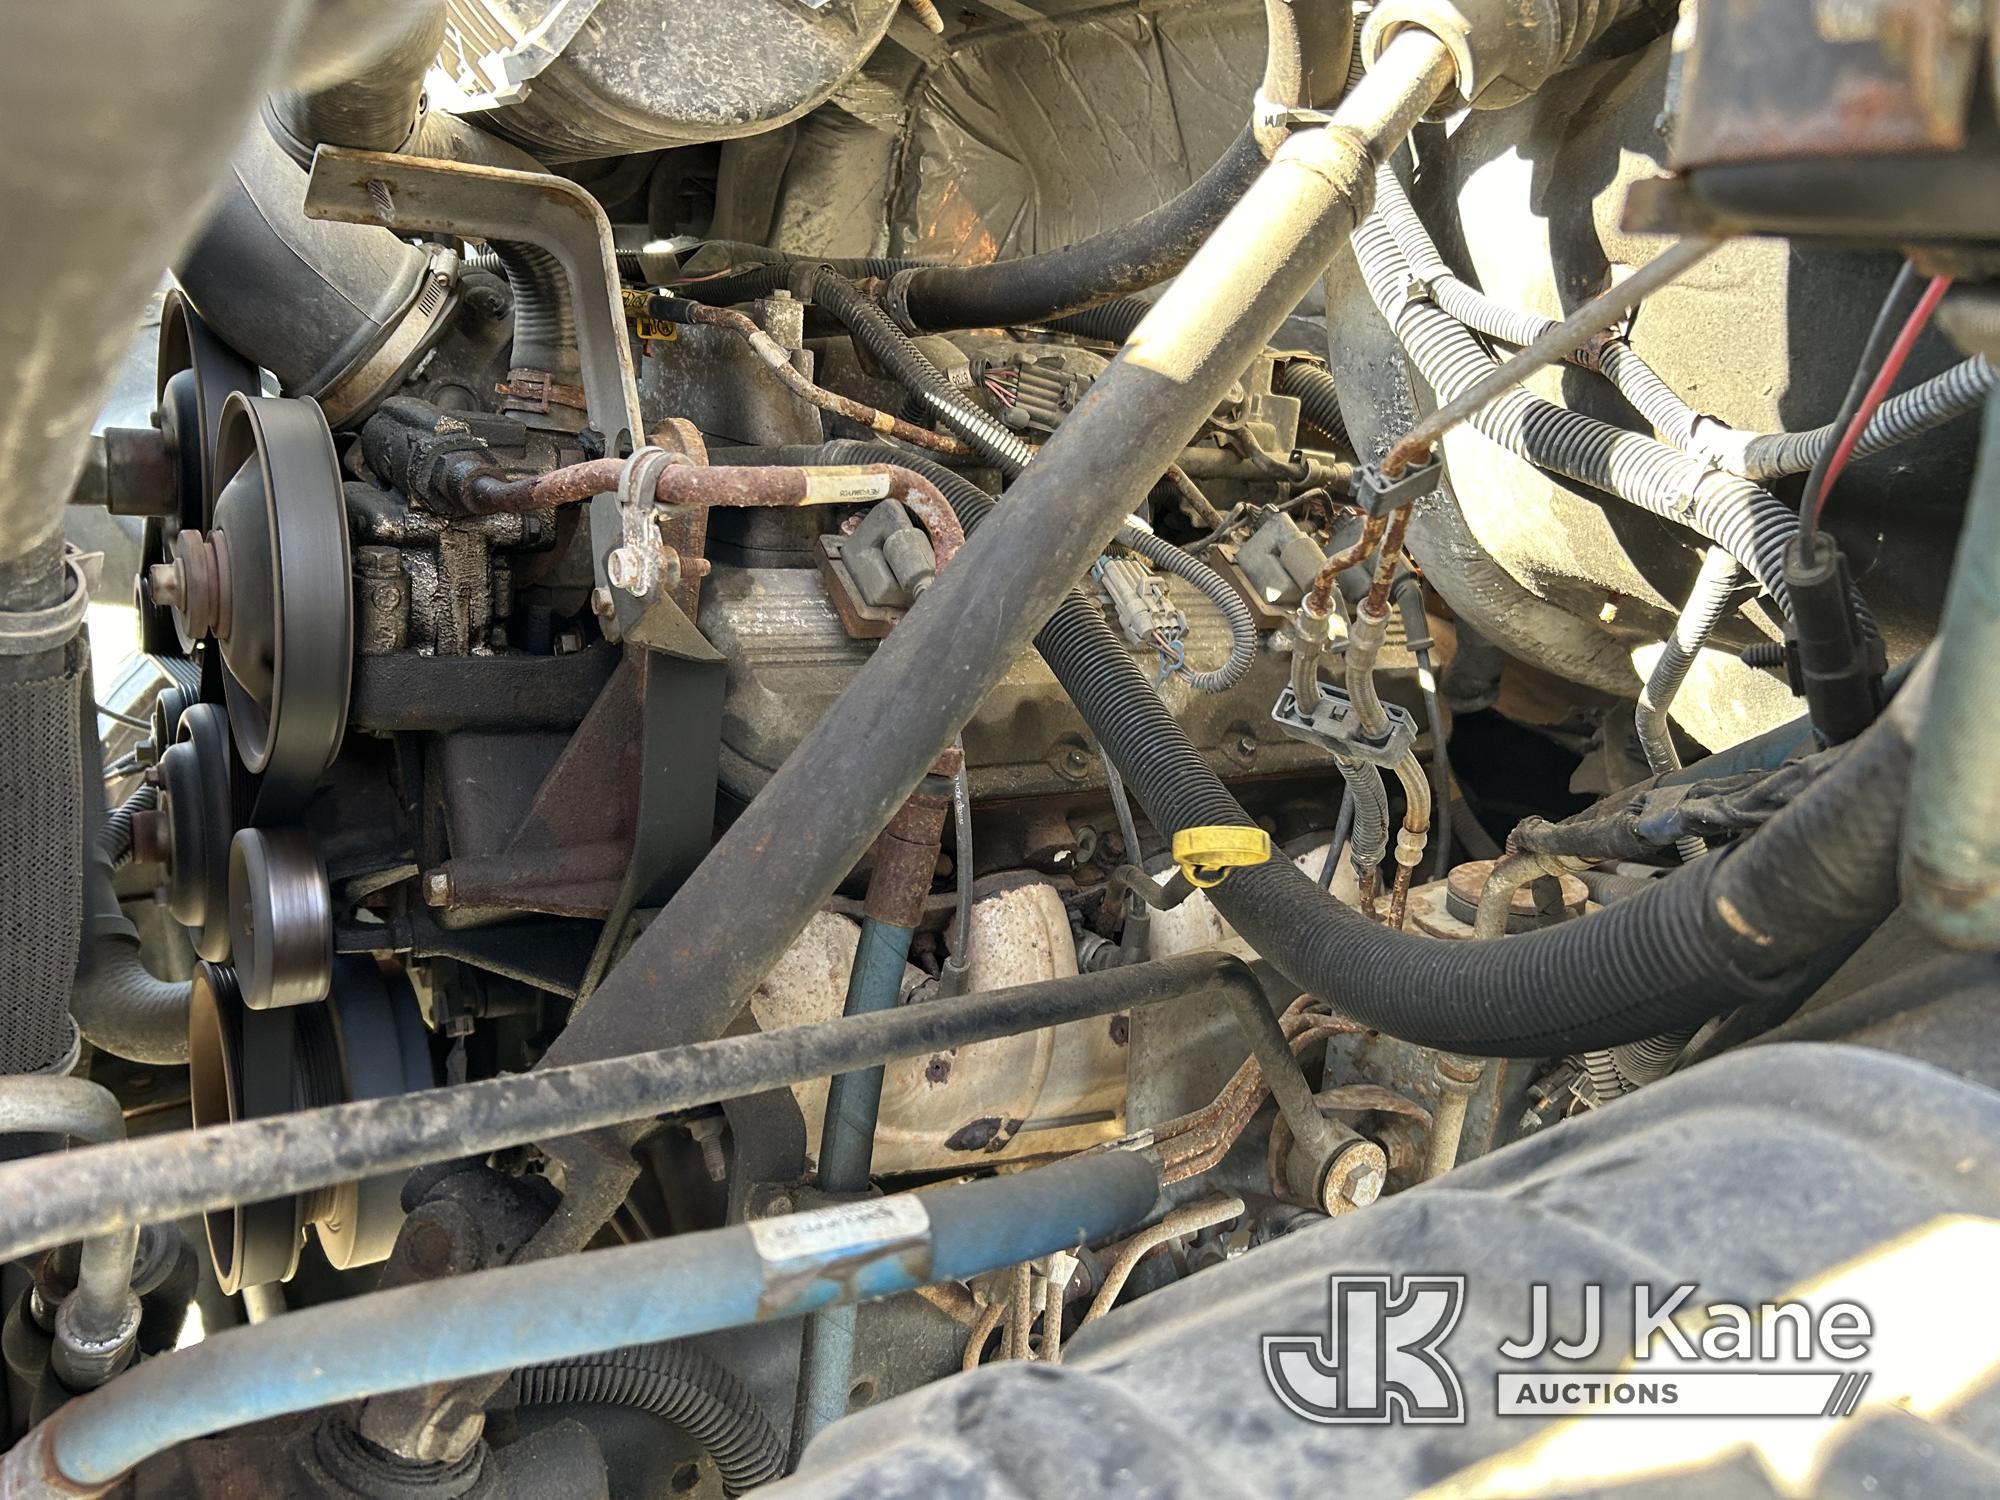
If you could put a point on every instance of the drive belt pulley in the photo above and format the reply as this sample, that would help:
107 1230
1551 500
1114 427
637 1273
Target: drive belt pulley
268 580
196 374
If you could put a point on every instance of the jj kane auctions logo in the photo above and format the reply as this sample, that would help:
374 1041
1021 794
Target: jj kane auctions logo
1381 1358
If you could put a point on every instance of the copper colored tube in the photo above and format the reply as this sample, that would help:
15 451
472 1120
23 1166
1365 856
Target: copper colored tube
1319 598
1399 898
1377 602
707 488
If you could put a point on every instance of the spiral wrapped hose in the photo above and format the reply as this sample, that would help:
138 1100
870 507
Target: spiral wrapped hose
676 1382
1318 398
1746 520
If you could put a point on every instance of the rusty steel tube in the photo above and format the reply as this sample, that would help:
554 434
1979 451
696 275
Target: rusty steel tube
1319 598
731 487
778 359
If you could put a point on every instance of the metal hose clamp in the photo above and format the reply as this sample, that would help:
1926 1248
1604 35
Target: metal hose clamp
32 631
896 299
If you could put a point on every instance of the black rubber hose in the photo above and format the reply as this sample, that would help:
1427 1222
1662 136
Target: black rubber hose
544 323
1643 967
682 1385
114 835
1034 288
1116 263
1822 869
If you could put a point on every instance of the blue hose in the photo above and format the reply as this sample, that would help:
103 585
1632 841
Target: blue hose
846 1148
438 1332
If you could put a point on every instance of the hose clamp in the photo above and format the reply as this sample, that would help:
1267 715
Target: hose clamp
896 299
33 631
1207 854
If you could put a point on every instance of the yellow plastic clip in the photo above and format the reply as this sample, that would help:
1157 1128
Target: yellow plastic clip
1207 855
646 326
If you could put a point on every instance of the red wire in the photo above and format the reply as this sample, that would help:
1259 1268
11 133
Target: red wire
1878 391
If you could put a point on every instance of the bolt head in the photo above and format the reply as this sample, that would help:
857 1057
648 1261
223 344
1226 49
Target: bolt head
163 583
1355 1177
626 569
437 888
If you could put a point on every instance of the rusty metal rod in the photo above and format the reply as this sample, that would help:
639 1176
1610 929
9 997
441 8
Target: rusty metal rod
53 1200
779 360
1319 598
1562 340
727 487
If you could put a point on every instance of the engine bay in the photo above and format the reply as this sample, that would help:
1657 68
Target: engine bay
811 743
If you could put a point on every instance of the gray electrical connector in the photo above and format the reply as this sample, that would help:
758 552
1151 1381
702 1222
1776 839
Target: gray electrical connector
1280 560
1139 597
889 558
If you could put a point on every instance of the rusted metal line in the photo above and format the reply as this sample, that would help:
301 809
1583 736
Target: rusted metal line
1319 598
1562 339
778 359
704 488
1377 602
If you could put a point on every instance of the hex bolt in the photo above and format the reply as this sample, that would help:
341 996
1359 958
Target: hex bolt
625 569
602 605
706 1132
437 888
1354 1178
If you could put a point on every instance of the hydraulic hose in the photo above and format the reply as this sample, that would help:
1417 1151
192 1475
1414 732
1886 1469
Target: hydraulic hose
1749 522
1822 869
1307 52
679 1384
1634 971
1035 288
1306 64
114 838
1951 855
544 323
458 1327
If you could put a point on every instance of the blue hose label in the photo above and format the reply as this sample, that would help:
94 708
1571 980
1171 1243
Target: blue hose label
837 1245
